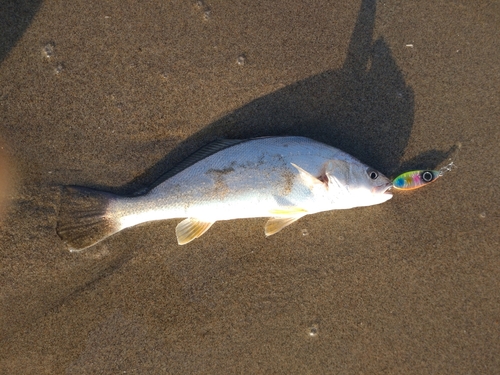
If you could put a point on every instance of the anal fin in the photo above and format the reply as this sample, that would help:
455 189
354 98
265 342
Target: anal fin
190 229
275 224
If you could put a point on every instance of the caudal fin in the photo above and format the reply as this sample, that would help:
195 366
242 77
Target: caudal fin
84 219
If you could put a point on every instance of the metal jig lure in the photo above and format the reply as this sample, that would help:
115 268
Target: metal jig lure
416 179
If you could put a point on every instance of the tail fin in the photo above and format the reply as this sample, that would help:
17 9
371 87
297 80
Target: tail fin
84 219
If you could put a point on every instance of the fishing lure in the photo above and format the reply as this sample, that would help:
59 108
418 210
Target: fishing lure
416 179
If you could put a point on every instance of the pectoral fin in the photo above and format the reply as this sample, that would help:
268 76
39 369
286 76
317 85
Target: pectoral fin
309 180
275 224
189 229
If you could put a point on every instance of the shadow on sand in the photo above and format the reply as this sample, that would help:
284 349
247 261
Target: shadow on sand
15 17
365 109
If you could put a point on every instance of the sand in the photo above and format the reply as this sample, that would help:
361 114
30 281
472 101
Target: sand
111 94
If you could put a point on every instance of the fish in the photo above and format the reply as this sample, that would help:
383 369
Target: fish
280 178
416 179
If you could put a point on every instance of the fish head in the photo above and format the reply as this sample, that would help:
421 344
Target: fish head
361 184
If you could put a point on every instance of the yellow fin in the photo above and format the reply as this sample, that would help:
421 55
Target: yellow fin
275 224
189 229
309 180
288 211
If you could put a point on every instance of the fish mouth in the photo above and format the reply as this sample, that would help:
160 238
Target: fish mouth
383 189
388 188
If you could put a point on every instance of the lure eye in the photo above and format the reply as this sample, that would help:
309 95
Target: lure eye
427 176
373 174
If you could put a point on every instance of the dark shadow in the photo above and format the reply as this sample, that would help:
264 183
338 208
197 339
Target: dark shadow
428 159
15 17
364 109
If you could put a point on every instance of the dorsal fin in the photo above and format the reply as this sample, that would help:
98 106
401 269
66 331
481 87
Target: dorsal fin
200 154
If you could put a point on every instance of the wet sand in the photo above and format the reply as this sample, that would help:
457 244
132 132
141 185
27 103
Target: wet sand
111 95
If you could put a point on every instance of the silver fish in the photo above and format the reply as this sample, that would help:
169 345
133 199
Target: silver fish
283 178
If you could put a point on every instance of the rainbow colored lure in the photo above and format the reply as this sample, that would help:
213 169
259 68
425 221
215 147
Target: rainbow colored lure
416 179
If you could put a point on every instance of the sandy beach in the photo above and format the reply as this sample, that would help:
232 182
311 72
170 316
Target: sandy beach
110 95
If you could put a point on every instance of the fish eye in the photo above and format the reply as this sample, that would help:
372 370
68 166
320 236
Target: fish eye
427 176
372 173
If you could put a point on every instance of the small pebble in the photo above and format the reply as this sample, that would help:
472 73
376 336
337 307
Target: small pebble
48 50
58 69
241 60
313 330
